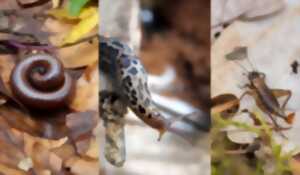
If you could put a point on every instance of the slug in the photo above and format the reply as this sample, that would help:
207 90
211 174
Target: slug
40 82
129 79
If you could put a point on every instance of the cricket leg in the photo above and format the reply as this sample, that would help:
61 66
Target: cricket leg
280 93
249 92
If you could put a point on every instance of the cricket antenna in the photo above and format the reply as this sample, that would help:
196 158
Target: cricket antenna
241 66
239 53
251 64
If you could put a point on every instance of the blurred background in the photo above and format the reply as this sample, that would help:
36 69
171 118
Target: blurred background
172 39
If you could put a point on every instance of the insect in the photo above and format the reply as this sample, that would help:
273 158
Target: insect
128 79
265 97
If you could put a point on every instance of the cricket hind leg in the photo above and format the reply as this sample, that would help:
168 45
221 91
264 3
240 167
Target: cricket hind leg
281 93
249 92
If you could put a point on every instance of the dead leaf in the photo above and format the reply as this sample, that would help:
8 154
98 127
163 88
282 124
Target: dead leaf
225 104
295 164
85 98
55 3
81 166
89 20
81 122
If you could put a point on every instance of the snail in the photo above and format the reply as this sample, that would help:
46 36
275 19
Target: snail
39 81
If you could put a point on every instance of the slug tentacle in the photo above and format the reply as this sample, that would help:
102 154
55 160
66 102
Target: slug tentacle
39 81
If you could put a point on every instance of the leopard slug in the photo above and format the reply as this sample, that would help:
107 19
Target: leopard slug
129 79
40 82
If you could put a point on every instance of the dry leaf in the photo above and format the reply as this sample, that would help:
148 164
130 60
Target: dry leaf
81 166
226 104
55 3
295 164
89 20
85 98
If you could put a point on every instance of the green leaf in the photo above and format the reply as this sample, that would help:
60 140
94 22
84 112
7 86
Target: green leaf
277 151
75 6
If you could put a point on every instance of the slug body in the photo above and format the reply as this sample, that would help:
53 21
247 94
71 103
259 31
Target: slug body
129 79
39 81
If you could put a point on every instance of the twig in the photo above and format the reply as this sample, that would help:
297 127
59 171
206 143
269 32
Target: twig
8 31
32 4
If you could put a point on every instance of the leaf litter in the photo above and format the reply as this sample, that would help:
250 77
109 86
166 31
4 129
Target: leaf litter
57 142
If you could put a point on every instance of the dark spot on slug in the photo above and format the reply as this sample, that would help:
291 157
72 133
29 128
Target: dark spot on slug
133 71
111 52
118 61
142 110
125 62
129 83
126 80
133 92
39 81
114 98
149 116
134 98
134 61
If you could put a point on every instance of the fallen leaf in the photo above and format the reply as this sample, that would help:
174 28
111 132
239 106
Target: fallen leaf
225 104
81 166
80 123
85 98
295 164
55 3
89 20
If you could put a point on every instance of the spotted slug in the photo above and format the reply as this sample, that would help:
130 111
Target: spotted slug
40 82
129 79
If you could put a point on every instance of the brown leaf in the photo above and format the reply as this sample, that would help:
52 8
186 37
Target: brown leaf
86 97
82 166
80 123
8 96
226 104
32 4
295 164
